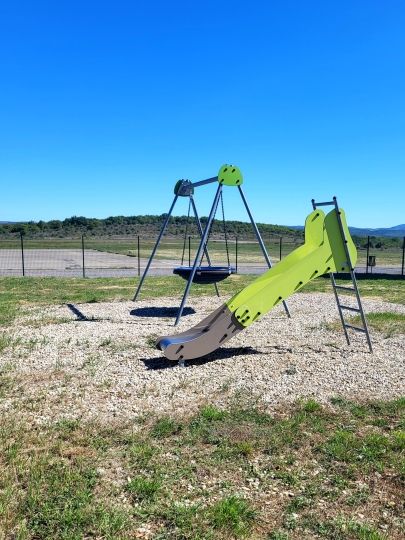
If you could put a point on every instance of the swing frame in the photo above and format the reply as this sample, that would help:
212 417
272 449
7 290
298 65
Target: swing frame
228 175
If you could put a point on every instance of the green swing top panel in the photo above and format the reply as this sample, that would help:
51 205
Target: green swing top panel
322 252
230 175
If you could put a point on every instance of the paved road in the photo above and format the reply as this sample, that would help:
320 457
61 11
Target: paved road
69 263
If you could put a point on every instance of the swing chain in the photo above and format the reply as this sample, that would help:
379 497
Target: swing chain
186 231
209 232
224 228
225 232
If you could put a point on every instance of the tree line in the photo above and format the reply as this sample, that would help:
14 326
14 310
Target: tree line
145 225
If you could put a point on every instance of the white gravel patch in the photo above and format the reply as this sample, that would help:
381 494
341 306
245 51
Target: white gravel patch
107 368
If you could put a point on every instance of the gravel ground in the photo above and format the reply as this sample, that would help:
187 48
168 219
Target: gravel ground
106 367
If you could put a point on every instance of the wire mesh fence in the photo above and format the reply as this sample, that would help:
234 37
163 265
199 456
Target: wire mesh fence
126 256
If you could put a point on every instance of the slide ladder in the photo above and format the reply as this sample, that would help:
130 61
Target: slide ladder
342 308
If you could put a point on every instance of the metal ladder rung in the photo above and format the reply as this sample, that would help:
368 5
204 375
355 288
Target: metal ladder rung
349 308
357 328
328 203
343 288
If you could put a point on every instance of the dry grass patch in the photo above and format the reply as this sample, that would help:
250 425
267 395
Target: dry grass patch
45 320
387 322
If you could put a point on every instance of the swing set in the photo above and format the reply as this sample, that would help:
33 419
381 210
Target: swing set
228 175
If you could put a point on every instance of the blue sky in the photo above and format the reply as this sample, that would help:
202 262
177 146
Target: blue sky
104 105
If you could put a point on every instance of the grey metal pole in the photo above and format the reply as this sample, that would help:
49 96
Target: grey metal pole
260 240
162 230
201 232
236 254
22 253
403 256
139 255
204 182
368 251
199 252
189 250
83 267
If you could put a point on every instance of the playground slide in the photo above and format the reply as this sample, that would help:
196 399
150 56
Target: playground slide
322 252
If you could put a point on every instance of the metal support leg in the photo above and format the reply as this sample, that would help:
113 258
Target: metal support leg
199 253
362 314
260 240
162 230
200 230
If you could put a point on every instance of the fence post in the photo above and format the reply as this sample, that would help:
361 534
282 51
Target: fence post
83 266
281 245
189 250
368 251
139 256
236 254
22 253
403 256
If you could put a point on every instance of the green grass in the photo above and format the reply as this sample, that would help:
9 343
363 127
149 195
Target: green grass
344 529
387 322
6 381
169 248
5 342
211 413
141 453
384 289
49 491
314 472
16 294
234 515
164 427
143 489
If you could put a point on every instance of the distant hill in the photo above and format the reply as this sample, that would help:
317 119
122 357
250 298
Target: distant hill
398 230
389 232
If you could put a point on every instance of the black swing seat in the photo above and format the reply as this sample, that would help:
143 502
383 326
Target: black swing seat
205 274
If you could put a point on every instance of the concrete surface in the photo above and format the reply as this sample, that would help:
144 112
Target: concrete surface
68 263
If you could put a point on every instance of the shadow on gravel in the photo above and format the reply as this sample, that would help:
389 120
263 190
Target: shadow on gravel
159 362
160 311
81 316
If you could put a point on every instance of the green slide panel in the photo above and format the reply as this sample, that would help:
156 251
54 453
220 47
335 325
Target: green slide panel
322 252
